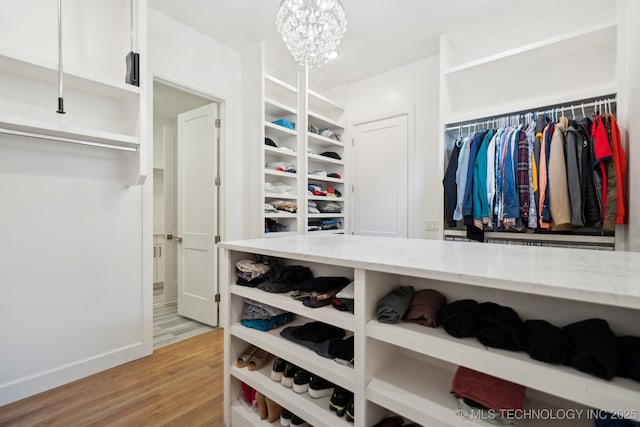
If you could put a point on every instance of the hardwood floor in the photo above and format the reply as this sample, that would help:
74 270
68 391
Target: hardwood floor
179 385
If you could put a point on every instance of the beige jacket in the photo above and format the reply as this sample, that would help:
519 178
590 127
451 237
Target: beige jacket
559 203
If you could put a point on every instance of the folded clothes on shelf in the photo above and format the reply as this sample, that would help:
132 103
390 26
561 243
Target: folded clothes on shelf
461 318
285 205
394 304
273 226
252 310
282 167
278 188
489 391
424 307
594 348
501 327
251 273
329 207
546 342
269 208
285 278
629 352
331 154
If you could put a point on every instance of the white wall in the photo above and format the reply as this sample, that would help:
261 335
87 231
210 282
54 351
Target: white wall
190 59
411 89
73 300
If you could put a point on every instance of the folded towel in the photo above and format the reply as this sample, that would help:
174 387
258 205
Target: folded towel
629 352
424 308
394 305
546 342
461 318
501 327
594 348
490 392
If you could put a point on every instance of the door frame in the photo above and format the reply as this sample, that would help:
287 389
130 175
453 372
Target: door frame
410 112
189 87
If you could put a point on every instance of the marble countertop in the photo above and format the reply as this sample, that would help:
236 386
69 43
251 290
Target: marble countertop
604 277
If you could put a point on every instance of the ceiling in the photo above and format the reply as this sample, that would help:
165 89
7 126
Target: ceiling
381 35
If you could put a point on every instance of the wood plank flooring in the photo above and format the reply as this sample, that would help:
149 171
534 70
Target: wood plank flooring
179 385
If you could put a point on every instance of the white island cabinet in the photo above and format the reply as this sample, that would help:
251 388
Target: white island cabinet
407 368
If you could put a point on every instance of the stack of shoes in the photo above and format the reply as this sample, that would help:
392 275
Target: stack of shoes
301 381
278 369
253 358
340 400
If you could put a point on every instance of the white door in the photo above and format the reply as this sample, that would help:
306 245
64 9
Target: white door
197 214
380 178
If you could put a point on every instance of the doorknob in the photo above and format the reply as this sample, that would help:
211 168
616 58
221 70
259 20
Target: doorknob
176 238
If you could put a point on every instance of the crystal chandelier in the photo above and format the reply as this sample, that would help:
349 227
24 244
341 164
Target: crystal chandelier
311 29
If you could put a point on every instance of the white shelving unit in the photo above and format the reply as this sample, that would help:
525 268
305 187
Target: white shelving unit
323 113
299 147
408 368
280 101
475 87
100 112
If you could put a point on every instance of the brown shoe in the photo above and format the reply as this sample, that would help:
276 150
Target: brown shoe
262 405
273 409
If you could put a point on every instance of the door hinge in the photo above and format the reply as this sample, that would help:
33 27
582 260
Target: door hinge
217 180
353 188
218 123
216 239
217 298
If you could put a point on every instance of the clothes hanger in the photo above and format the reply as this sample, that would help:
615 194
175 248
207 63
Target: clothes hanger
584 116
573 113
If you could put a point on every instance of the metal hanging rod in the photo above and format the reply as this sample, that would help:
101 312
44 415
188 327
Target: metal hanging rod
550 109
67 140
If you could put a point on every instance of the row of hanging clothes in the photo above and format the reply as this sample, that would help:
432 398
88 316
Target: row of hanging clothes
538 171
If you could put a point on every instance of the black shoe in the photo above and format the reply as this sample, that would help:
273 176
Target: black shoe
297 421
285 417
340 399
288 374
301 381
277 369
319 387
350 415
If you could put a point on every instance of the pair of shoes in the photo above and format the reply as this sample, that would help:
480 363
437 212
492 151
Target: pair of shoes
340 400
249 393
284 372
254 358
288 419
267 408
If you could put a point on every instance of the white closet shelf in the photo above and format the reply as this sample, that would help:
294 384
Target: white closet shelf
325 178
314 411
400 387
323 141
276 81
272 129
326 215
40 69
325 159
297 354
320 121
518 367
280 215
535 102
326 314
325 198
278 109
559 44
539 237
280 196
279 151
316 98
61 130
279 173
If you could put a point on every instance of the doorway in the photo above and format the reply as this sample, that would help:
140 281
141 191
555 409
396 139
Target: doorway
380 153
185 212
